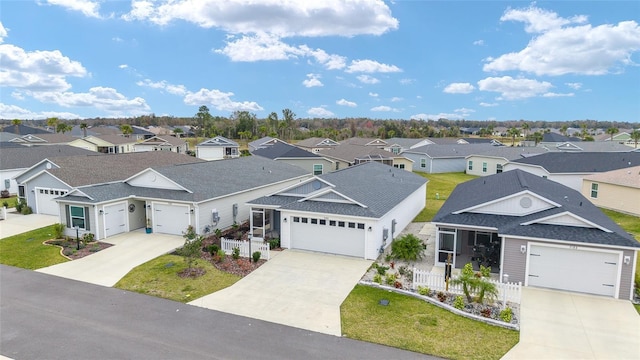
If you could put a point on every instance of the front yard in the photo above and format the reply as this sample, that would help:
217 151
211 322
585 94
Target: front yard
27 250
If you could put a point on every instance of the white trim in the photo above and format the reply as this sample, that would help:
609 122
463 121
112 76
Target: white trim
473 227
104 217
524 192
74 190
168 203
634 263
568 242
320 193
570 214
157 173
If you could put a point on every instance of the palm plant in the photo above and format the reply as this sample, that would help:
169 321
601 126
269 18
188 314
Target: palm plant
635 135
612 131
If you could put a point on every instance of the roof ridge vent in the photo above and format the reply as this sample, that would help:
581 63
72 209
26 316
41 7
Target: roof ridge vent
521 179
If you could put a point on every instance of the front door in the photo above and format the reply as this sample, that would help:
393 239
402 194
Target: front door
446 246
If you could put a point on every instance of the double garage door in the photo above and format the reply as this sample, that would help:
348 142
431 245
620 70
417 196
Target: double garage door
592 272
170 218
328 236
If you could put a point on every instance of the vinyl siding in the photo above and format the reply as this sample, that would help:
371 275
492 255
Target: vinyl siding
615 197
307 164
45 180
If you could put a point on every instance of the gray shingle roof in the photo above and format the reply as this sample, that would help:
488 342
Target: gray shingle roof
283 150
96 169
218 141
493 187
583 162
314 142
115 139
348 152
588 146
24 129
451 150
20 156
404 142
510 153
379 187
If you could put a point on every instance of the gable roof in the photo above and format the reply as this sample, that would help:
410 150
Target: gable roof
113 139
218 141
582 162
48 138
406 143
450 150
163 140
263 142
96 169
314 142
364 141
565 201
555 137
284 150
202 180
386 187
587 146
349 153
629 177
21 157
508 152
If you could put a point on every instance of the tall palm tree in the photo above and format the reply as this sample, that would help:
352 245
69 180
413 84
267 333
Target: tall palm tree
16 123
513 132
126 130
53 123
526 127
612 131
84 126
635 135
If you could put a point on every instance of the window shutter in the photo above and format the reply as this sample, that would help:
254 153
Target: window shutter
67 212
86 219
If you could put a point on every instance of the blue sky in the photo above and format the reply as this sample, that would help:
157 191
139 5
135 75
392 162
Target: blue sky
477 60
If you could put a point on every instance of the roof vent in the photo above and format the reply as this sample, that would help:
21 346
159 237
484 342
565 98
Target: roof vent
580 203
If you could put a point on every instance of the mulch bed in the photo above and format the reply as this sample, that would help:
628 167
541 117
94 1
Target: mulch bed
68 248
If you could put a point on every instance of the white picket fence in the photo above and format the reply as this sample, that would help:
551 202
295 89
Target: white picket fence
509 292
229 244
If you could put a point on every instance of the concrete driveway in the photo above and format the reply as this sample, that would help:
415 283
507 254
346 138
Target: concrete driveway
17 223
295 288
108 266
562 325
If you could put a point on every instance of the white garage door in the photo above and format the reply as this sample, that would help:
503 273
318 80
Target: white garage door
584 271
45 203
170 219
328 236
115 219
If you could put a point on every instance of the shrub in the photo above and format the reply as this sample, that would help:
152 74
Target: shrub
407 247
68 252
58 230
256 256
402 270
235 254
506 315
26 210
95 248
5 203
377 278
218 233
221 255
88 237
458 303
390 279
213 249
190 251
485 271
274 243
397 285
382 269
424 290
486 312
20 203
387 257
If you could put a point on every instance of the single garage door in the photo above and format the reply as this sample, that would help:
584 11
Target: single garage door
170 218
45 203
591 272
115 219
328 236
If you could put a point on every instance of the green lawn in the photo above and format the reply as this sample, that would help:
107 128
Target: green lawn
416 325
27 250
158 277
439 188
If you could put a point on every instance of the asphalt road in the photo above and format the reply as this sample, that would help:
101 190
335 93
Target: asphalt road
47 317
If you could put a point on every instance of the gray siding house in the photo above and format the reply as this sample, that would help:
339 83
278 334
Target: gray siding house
312 163
443 158
537 232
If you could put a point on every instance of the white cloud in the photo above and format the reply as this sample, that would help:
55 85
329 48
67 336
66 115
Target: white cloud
16 112
282 18
123 66
384 108
37 70
449 116
102 98
484 104
396 99
312 80
552 94
366 79
574 86
371 66
372 94
344 102
163 85
117 39
88 7
320 112
478 42
329 61
513 89
458 88
3 33
220 100
464 111
407 81
562 48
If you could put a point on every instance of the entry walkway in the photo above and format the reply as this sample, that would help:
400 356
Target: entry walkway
295 288
108 266
16 223
562 325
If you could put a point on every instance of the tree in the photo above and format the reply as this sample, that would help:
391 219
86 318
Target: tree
53 123
526 127
126 130
203 120
63 127
83 127
564 129
16 123
288 118
272 122
513 132
635 135
537 137
178 131
612 131
190 251
475 283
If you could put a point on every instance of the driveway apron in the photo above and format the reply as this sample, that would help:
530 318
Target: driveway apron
108 266
562 325
16 223
295 288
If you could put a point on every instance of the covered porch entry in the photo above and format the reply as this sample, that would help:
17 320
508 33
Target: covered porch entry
264 223
479 247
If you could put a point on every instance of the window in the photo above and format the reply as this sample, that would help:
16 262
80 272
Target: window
332 223
323 222
341 223
352 225
484 167
337 165
498 168
594 190
423 163
361 226
305 220
314 221
395 150
76 217
296 219
544 176
470 165
396 166
21 191
401 166
317 169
